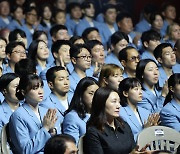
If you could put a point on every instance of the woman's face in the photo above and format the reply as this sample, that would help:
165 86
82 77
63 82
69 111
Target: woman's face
18 14
35 95
114 80
42 51
175 32
158 22
10 94
112 105
44 38
151 74
88 95
47 14
2 49
134 95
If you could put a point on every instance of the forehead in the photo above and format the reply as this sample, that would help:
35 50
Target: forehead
132 52
19 47
64 46
84 51
166 49
61 73
150 64
97 46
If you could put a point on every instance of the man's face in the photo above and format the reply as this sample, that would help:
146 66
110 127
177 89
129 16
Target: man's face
89 12
126 25
71 148
110 16
61 35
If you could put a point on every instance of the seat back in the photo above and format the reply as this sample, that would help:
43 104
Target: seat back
80 145
159 138
4 146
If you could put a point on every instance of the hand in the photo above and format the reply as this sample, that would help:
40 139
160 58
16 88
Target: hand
165 89
50 119
97 69
142 151
153 120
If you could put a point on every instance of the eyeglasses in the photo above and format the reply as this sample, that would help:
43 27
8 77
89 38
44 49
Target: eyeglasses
85 57
133 59
20 52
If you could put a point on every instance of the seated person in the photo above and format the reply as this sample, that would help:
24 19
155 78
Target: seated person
138 118
177 52
3 61
166 57
119 40
150 40
8 82
15 51
61 144
110 76
81 60
170 113
58 81
153 96
129 58
80 108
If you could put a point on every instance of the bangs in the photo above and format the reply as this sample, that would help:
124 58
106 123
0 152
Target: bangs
34 84
135 83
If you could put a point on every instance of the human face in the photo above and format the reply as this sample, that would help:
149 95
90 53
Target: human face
2 49
31 17
22 39
79 41
60 4
119 46
4 9
176 91
47 13
170 13
168 57
18 14
175 32
88 96
97 53
63 54
151 74
110 16
126 25
62 35
158 22
42 51
114 80
60 18
133 58
76 13
20 2
89 12
10 94
17 54
152 45
35 95
112 106
134 95
94 35
61 82
83 60
71 148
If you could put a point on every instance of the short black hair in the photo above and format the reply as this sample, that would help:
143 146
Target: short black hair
107 7
122 15
123 54
11 45
159 48
56 28
13 35
118 36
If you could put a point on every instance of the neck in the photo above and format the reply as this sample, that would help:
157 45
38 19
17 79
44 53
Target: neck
34 107
80 72
132 106
29 26
62 96
42 63
170 21
151 87
46 20
130 73
13 105
12 66
110 122
89 19
168 71
110 25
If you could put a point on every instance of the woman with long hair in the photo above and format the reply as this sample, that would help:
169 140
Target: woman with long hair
79 110
170 113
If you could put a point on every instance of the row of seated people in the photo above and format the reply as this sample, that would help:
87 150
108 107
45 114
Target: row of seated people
81 16
103 113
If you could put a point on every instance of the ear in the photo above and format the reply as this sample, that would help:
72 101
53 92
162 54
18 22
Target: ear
105 80
125 93
54 39
171 89
119 24
146 44
159 60
55 55
4 91
73 60
123 62
8 56
50 84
